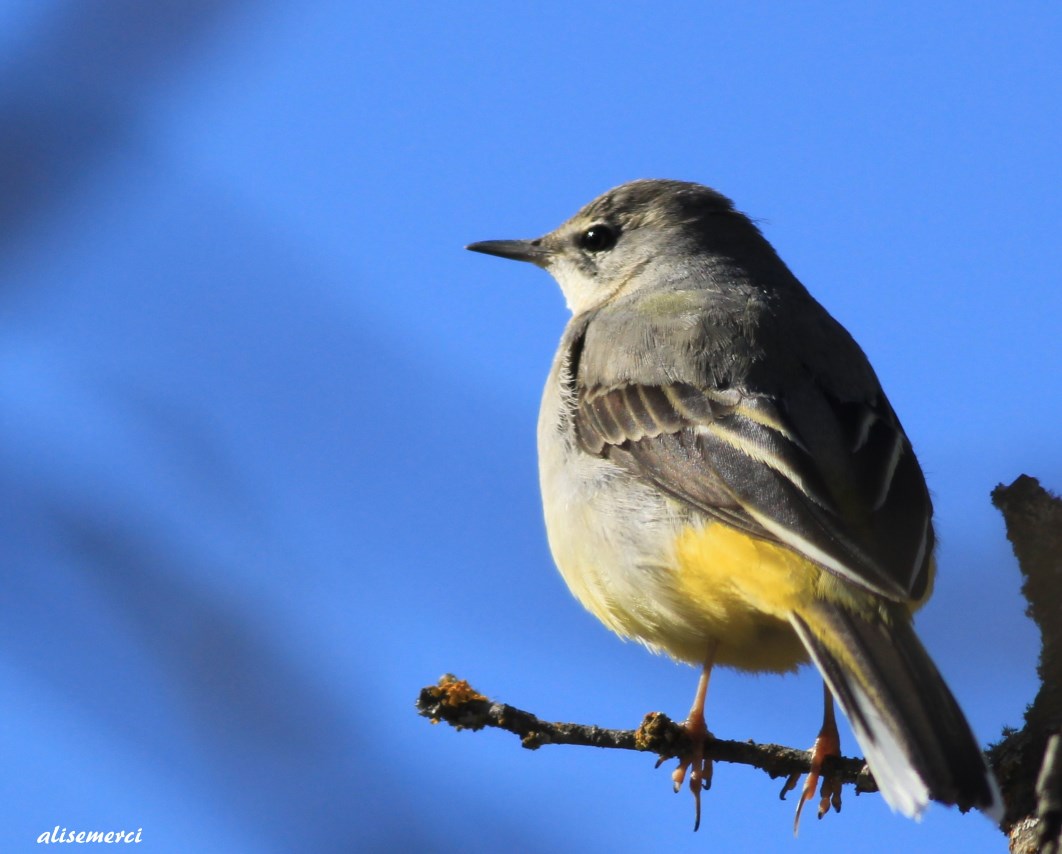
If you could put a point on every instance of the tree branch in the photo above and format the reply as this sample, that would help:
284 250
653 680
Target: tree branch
1034 527
454 701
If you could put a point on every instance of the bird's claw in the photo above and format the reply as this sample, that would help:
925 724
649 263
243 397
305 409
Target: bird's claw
830 791
698 766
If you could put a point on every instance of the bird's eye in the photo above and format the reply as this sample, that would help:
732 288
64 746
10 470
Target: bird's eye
597 238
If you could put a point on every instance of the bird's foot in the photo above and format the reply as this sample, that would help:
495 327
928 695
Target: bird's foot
695 762
826 745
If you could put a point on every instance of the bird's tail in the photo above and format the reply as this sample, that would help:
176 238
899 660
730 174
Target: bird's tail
913 734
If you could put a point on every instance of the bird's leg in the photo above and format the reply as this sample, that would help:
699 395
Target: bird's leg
827 744
697 730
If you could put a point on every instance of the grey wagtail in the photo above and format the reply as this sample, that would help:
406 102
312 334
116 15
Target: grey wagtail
724 480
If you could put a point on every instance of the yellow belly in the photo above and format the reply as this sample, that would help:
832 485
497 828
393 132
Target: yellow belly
744 590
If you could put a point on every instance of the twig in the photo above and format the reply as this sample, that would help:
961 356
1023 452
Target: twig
454 701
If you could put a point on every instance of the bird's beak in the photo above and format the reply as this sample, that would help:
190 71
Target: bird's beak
517 250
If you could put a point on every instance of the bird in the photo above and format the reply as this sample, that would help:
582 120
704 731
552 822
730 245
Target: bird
724 480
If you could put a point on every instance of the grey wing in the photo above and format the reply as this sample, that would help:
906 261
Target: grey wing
848 493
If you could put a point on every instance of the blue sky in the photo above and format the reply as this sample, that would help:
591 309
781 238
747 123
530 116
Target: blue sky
268 459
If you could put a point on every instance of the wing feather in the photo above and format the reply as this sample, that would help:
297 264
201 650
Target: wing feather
739 456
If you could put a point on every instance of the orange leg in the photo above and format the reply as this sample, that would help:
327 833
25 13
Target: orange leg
827 744
700 768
